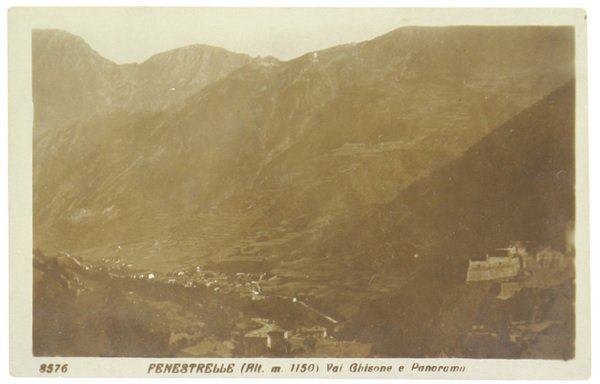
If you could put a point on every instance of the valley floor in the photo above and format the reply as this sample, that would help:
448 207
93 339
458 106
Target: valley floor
95 309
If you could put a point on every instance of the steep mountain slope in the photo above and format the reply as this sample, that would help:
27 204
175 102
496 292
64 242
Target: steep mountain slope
356 124
266 160
169 77
516 183
71 80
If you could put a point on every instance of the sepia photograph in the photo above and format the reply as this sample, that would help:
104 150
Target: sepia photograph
303 183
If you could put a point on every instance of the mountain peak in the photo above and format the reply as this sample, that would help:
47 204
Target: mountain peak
72 80
191 53
50 33
59 42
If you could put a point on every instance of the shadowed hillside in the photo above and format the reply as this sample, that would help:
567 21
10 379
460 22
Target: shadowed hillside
516 183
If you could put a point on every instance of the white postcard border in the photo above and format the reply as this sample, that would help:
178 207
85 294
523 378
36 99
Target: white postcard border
22 363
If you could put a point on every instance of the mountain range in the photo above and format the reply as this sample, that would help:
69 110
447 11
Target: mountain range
343 171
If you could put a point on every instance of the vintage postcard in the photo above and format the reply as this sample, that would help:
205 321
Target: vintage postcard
294 192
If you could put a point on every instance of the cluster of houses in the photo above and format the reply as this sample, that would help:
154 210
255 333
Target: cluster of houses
272 340
115 264
246 283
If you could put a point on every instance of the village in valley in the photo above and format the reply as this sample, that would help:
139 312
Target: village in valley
259 336
519 267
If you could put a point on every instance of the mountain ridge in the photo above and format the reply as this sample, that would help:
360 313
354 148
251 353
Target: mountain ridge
65 66
472 204
297 142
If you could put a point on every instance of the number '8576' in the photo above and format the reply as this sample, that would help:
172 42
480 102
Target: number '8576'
54 368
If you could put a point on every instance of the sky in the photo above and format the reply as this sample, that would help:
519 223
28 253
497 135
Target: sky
130 35
126 35
107 42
